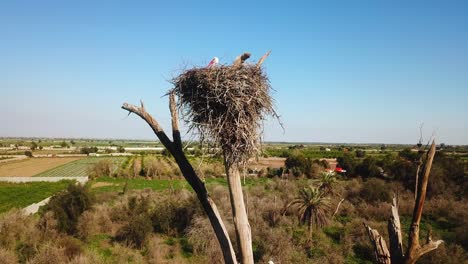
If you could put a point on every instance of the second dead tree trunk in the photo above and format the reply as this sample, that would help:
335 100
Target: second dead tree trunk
396 254
239 214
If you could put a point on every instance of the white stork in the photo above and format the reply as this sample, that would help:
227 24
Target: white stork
213 62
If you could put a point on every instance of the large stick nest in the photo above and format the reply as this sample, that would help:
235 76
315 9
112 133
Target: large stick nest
226 104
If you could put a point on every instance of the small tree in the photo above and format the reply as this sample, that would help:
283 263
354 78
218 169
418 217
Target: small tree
68 206
33 146
327 183
312 208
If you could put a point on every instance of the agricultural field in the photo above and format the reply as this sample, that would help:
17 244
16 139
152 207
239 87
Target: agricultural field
19 195
78 168
110 184
32 166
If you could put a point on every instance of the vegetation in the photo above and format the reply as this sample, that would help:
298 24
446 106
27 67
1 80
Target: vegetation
68 206
19 195
157 220
312 207
82 167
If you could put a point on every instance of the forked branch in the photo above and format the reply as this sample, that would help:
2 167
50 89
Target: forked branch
175 148
414 250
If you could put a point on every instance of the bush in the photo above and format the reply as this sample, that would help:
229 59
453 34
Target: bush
368 168
347 162
88 150
102 168
28 154
375 190
68 206
360 153
134 233
172 217
7 257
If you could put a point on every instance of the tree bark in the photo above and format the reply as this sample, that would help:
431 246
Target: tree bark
382 254
239 213
415 251
175 148
394 233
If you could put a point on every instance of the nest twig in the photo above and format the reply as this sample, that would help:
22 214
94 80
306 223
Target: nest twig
226 104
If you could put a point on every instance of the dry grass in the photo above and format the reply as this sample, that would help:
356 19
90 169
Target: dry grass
8 257
263 163
227 105
31 167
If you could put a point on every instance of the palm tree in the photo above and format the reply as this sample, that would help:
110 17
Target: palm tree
327 183
312 207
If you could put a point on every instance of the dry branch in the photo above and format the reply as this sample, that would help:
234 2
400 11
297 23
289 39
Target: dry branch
394 233
262 59
241 58
338 207
414 250
382 254
189 173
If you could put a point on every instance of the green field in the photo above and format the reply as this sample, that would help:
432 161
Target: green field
109 184
78 168
19 195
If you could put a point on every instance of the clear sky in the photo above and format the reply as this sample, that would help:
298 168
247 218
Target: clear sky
344 71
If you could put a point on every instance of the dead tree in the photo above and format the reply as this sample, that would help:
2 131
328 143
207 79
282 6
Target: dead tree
175 148
227 104
396 254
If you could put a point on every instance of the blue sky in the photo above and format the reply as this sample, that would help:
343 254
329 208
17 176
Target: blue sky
344 71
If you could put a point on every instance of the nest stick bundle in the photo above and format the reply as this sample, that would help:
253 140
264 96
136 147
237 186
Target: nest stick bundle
226 104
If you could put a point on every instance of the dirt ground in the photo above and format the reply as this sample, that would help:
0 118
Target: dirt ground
263 163
102 184
276 162
32 166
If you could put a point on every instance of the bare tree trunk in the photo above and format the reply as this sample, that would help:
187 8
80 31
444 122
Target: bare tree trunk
382 254
239 213
175 148
310 231
394 234
414 250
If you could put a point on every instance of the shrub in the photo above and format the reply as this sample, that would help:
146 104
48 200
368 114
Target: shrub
48 254
94 222
68 206
375 190
17 228
134 233
7 257
172 217
347 162
101 168
28 154
88 150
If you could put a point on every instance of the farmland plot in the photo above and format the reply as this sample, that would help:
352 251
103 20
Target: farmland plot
79 168
29 167
19 195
